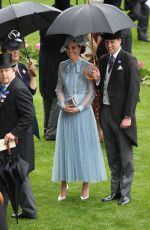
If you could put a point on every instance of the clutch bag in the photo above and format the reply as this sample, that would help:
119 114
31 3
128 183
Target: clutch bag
73 101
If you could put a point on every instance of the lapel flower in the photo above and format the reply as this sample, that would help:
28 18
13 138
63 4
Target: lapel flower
120 68
3 95
24 71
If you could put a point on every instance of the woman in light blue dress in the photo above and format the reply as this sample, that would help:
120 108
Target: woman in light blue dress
78 155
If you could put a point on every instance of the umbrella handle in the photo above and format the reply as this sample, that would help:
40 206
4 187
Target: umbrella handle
26 52
29 59
86 72
8 148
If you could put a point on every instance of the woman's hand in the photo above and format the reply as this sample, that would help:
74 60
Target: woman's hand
71 109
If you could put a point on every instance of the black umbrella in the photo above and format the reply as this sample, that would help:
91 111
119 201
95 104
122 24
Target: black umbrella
26 17
13 171
90 18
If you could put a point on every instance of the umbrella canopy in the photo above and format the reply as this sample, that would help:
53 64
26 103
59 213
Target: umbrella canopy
90 18
26 17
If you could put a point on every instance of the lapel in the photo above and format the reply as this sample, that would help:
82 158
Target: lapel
10 89
11 85
118 62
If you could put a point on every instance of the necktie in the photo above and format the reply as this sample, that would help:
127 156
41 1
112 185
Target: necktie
110 63
2 89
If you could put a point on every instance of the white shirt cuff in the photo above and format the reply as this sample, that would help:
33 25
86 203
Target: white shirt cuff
97 82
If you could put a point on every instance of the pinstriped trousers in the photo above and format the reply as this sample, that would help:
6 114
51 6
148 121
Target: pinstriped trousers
119 154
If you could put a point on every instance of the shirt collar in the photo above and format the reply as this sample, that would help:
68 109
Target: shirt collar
6 86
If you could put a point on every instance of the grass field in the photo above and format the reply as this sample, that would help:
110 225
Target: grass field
73 214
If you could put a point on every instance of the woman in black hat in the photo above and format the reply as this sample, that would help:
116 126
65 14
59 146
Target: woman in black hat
12 44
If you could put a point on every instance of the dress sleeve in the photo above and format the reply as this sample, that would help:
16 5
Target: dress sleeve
60 89
89 97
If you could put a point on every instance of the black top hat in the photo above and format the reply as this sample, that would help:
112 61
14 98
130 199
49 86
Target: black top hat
109 36
13 41
6 61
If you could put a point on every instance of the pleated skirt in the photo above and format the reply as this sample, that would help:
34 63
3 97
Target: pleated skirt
78 155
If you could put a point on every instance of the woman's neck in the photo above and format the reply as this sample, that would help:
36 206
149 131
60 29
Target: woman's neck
75 59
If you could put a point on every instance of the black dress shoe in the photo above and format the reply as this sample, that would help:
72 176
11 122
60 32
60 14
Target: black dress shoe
124 200
23 216
113 196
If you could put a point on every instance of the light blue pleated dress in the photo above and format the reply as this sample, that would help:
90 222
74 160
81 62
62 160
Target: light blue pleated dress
78 155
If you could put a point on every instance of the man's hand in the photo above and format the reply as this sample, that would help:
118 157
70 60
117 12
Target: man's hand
125 123
96 73
9 137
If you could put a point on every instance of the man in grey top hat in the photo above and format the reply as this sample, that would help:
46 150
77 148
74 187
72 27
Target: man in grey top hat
16 116
119 87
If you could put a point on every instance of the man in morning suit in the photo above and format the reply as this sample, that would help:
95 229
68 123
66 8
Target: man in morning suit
16 116
119 87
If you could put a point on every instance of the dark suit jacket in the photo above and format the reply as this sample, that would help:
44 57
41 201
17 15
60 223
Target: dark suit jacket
16 116
123 89
49 59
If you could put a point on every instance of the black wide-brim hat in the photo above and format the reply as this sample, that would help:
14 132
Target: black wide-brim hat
14 41
6 61
12 45
109 36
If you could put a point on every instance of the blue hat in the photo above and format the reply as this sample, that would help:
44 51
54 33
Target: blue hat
79 40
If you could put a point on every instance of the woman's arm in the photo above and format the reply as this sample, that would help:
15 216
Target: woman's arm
89 97
60 89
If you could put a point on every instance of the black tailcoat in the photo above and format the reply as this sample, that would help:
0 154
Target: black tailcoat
123 89
16 116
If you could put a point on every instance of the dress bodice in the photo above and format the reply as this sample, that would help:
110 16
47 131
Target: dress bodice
72 81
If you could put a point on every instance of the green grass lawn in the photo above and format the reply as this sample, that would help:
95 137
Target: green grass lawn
74 214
